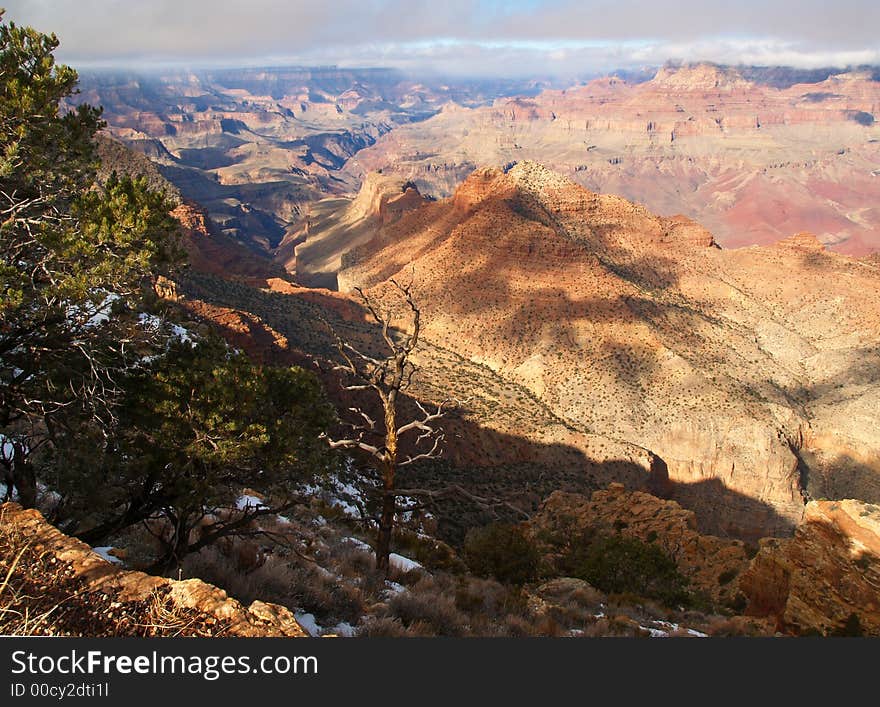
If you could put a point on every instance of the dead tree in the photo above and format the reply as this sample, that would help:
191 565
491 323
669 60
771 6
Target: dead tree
388 377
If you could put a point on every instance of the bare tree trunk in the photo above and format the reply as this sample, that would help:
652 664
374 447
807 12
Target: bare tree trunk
386 528
175 548
25 477
389 471
387 377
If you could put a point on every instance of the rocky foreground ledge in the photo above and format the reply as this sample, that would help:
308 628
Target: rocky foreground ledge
68 589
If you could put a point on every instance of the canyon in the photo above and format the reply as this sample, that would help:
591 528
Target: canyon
752 154
751 385
669 286
750 160
256 146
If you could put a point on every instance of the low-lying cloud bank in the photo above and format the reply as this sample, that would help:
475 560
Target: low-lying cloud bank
459 36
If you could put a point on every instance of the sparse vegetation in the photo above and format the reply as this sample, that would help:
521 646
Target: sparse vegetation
503 552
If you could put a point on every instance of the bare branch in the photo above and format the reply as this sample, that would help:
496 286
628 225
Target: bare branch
487 504
354 444
434 452
424 423
371 423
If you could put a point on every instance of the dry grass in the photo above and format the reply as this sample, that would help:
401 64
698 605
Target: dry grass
42 596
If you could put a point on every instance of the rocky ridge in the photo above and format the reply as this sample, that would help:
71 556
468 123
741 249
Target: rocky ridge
823 580
730 366
94 592
750 161
826 579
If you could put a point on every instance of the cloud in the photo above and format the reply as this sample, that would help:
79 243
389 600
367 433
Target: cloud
458 36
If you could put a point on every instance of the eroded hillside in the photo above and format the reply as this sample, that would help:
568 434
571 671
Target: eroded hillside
751 374
752 162
256 146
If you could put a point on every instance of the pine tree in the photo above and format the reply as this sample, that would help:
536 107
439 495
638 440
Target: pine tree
75 256
199 425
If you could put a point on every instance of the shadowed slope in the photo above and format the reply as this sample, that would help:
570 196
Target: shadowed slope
638 327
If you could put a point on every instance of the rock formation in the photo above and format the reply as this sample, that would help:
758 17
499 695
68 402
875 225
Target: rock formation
750 161
826 579
745 379
94 581
712 564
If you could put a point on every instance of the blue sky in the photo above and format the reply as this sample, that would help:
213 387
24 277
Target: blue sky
458 36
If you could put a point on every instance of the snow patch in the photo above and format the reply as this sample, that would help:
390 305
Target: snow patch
360 544
398 562
667 628
181 333
248 502
7 451
341 494
307 621
344 629
404 564
104 552
149 321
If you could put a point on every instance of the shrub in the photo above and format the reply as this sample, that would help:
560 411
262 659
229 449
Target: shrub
501 551
427 612
622 565
727 576
382 628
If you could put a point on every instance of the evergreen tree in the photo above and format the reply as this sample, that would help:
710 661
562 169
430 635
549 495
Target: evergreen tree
198 426
74 256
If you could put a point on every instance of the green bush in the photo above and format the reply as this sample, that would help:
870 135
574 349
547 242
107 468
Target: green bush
501 551
621 565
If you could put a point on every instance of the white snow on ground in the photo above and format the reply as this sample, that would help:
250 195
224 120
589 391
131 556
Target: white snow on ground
655 632
314 629
360 544
7 452
404 564
182 333
97 316
307 621
347 497
346 507
246 501
102 313
105 553
149 321
342 494
394 587
398 562
667 628
344 629
6 448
